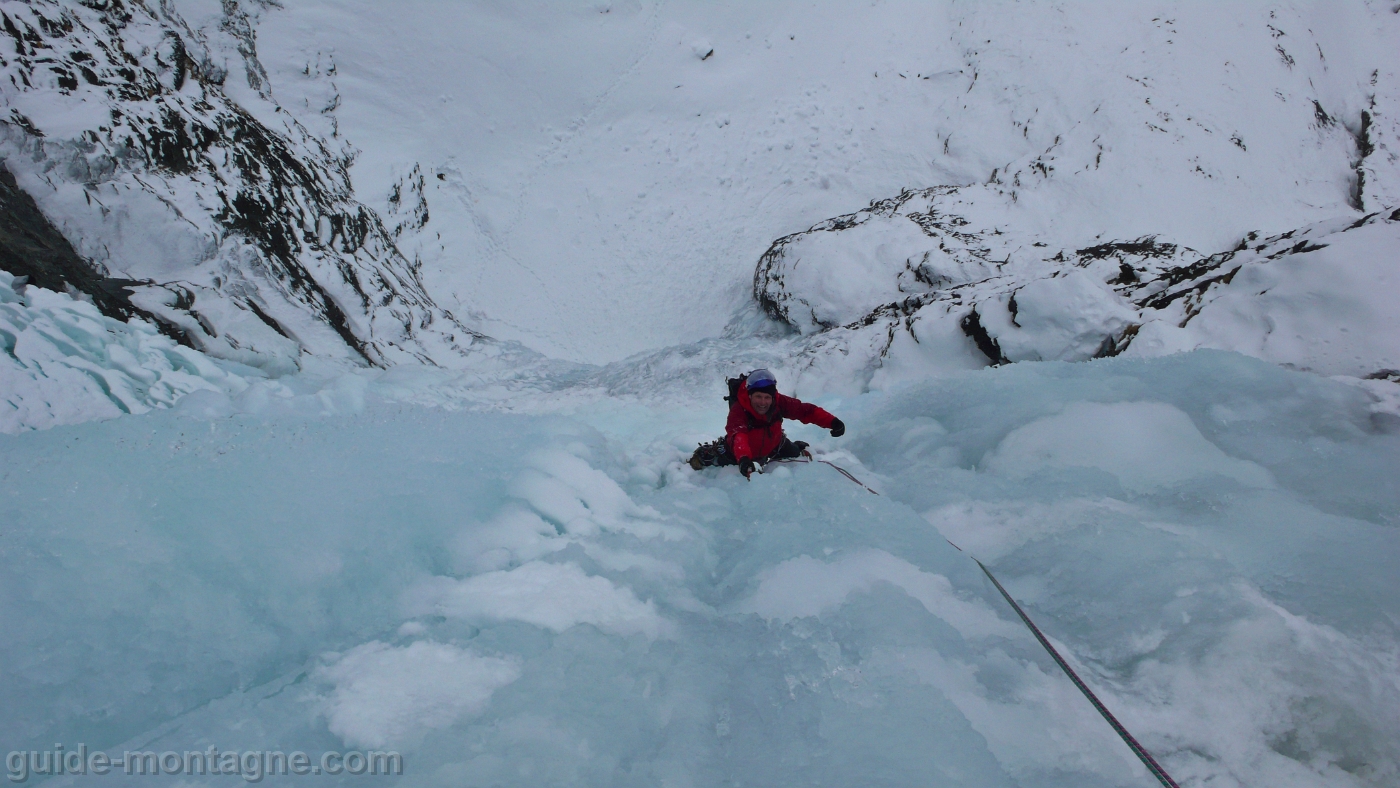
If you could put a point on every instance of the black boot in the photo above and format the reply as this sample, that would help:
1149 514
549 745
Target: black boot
791 450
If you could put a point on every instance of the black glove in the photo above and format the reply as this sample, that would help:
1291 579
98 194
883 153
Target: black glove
746 467
837 428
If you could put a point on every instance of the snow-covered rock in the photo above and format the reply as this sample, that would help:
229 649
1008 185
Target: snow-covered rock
840 270
963 293
1378 171
158 151
1069 317
961 284
1321 299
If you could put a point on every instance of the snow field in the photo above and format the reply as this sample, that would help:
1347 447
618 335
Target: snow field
537 599
595 186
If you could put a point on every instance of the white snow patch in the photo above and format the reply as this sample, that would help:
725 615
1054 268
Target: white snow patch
553 596
804 586
385 695
1146 445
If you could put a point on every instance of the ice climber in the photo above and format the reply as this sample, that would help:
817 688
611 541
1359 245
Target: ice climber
754 432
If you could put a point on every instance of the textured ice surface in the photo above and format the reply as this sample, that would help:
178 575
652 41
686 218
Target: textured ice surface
63 362
535 600
1145 445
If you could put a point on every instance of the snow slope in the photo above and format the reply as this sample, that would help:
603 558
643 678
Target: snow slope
923 282
595 186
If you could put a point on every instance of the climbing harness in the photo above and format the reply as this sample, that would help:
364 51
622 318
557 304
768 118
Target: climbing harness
1138 750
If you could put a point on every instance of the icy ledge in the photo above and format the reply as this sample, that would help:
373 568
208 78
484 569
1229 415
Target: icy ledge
64 362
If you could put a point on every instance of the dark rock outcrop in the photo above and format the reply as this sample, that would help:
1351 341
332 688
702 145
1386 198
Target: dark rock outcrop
33 248
232 225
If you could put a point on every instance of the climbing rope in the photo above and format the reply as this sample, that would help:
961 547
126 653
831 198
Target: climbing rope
1138 750
848 475
807 457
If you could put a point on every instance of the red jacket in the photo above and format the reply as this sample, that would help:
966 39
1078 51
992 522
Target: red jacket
751 436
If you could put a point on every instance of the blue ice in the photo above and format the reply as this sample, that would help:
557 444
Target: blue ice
559 600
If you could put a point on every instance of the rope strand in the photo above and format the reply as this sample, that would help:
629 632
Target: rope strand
848 475
1138 750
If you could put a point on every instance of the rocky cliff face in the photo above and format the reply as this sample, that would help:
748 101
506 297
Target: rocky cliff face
191 197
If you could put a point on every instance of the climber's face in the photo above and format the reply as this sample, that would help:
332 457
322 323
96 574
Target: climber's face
761 401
